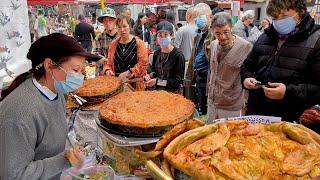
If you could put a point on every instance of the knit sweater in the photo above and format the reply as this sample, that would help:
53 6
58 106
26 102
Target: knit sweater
33 132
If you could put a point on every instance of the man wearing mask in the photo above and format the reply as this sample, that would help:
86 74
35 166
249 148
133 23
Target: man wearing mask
108 19
282 71
245 28
199 64
228 51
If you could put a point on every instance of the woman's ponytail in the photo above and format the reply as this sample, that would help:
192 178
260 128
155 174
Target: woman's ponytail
19 80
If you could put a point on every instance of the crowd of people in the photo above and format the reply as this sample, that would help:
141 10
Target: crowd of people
278 64
226 69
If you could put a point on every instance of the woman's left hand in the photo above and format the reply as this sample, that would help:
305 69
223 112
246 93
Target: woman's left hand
151 82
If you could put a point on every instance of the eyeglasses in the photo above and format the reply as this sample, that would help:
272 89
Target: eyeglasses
226 33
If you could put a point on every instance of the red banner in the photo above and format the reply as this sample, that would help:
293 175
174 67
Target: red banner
49 2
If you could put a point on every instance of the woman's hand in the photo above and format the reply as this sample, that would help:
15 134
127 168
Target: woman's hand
151 82
125 75
75 156
109 73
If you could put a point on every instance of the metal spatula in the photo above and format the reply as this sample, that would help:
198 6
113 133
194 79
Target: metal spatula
79 99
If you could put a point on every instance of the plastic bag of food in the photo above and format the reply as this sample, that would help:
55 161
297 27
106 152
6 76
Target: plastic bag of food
93 173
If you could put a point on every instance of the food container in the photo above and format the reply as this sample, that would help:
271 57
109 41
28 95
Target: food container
93 172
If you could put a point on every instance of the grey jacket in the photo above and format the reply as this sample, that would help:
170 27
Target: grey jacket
224 87
239 29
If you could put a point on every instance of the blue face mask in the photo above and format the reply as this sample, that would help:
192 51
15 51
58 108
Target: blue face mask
164 42
201 22
73 82
284 26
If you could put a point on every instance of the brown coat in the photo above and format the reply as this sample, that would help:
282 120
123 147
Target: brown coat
140 69
224 87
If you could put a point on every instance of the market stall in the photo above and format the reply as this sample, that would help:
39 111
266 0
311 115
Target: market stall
157 135
110 120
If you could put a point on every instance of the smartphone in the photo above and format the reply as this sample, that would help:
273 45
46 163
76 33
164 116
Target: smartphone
260 84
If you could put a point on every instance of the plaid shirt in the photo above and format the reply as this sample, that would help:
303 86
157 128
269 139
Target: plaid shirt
103 41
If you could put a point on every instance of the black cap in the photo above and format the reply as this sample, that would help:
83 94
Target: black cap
57 45
165 26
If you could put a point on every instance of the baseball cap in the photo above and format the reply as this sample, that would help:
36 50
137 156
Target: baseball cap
57 45
107 12
165 26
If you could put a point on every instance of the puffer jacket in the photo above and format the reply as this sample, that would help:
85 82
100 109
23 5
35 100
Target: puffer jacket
296 64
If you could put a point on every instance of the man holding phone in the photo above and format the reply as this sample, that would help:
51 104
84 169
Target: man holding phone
282 72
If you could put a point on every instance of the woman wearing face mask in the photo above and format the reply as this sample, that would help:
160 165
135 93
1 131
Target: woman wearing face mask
33 118
127 55
286 60
167 69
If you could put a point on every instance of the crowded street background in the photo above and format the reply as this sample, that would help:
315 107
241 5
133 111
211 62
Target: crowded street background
178 47
231 58
173 47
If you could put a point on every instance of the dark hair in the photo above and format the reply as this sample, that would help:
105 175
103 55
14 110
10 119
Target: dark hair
213 5
171 16
276 6
37 72
140 16
40 12
121 18
81 17
161 14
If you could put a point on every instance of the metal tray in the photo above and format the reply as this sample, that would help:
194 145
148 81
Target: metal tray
125 141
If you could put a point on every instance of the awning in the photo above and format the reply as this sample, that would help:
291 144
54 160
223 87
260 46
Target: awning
50 2
122 1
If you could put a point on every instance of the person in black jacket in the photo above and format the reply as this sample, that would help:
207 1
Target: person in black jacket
167 68
84 33
140 29
282 72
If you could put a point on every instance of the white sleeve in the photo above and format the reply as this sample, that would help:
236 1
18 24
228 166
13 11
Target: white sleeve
36 22
178 39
